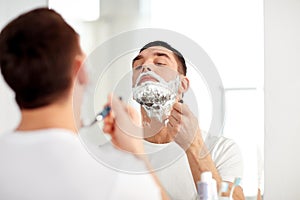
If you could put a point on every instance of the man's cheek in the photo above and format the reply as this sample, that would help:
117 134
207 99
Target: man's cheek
167 77
134 78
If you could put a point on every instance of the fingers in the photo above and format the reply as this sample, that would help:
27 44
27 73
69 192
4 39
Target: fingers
178 107
134 116
118 107
126 119
109 119
174 125
125 113
124 134
109 124
176 116
108 130
179 114
181 108
173 121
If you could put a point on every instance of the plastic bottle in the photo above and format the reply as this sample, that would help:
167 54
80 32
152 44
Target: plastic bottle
207 187
214 190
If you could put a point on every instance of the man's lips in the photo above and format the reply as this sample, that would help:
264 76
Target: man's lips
147 78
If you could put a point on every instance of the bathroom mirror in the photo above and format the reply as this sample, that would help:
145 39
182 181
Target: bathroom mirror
231 33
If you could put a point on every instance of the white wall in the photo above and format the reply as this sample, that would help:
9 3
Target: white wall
9 9
282 99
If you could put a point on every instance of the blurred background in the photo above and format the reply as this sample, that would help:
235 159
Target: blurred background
253 44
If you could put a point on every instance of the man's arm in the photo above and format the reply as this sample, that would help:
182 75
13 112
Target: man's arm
188 135
199 165
120 123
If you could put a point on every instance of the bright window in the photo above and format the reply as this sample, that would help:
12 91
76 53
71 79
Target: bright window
83 10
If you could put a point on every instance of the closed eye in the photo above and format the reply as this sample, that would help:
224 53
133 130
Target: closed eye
160 64
138 67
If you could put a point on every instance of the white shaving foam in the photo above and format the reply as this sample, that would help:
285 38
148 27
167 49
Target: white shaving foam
157 98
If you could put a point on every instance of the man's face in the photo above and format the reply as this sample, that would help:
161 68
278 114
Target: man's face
157 59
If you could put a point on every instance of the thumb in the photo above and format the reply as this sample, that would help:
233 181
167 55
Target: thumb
117 106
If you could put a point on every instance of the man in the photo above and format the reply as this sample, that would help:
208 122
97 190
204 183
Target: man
41 59
181 127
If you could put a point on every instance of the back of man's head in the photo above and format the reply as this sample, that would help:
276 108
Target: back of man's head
37 50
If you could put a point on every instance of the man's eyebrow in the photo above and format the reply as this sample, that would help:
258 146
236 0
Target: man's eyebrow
138 57
162 54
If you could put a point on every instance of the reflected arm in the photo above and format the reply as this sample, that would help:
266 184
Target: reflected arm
199 164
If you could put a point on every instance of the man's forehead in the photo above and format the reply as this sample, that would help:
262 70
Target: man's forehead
156 49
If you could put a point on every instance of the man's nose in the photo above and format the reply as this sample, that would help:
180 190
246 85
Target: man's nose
146 68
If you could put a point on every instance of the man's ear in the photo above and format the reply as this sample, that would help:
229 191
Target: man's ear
185 84
79 70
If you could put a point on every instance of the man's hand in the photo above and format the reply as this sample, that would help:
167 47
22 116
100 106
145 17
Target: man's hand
123 124
184 127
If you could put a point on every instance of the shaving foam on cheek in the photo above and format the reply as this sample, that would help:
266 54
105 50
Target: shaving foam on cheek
157 98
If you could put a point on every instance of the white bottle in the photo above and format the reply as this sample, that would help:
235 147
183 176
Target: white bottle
207 187
214 190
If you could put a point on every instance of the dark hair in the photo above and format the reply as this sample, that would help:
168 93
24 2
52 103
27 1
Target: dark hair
36 55
178 55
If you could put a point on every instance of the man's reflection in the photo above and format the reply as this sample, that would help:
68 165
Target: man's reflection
178 127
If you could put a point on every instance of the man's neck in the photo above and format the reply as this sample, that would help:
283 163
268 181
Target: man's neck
155 131
161 137
51 116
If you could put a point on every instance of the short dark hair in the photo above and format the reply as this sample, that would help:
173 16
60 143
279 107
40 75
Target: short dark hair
178 55
36 55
